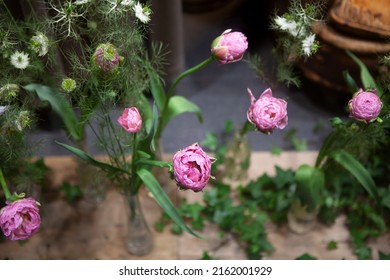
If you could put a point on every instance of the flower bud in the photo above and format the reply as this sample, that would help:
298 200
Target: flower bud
192 168
68 85
229 47
365 106
106 58
267 113
20 219
9 92
131 120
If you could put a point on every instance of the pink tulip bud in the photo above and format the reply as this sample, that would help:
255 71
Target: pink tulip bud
20 219
131 120
192 168
267 113
106 58
229 47
365 106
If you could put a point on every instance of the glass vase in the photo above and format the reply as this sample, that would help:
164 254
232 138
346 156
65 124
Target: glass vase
301 219
237 158
92 182
139 238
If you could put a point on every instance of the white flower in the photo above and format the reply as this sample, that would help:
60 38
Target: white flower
127 2
307 44
142 13
81 2
39 44
20 60
287 25
3 109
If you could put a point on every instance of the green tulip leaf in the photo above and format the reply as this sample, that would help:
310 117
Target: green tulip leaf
156 88
89 159
163 200
59 105
178 105
361 174
351 83
367 79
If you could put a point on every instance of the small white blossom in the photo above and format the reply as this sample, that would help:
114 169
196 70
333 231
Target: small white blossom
142 13
127 2
307 44
3 109
20 60
39 44
81 2
287 25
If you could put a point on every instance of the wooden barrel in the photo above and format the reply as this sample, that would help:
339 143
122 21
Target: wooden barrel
360 26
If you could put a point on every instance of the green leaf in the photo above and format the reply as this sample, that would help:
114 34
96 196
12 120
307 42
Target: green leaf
154 162
59 105
156 88
178 105
351 83
83 155
163 200
72 192
332 245
306 256
367 80
310 182
383 256
357 170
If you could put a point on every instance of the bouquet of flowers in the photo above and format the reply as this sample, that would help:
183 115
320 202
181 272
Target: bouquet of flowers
105 88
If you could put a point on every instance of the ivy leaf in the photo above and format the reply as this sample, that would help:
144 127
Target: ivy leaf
306 256
383 256
72 192
332 245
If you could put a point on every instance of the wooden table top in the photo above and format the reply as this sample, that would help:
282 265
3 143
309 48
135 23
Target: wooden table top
97 231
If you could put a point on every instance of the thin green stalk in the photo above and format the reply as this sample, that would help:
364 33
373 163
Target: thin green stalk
171 90
133 167
116 138
4 186
9 13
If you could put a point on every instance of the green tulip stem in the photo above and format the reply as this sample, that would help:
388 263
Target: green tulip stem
4 186
172 88
185 74
133 167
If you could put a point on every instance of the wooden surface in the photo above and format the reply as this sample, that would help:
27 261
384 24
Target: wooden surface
97 231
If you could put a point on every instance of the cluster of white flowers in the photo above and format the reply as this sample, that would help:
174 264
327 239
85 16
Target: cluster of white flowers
39 43
141 12
299 30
